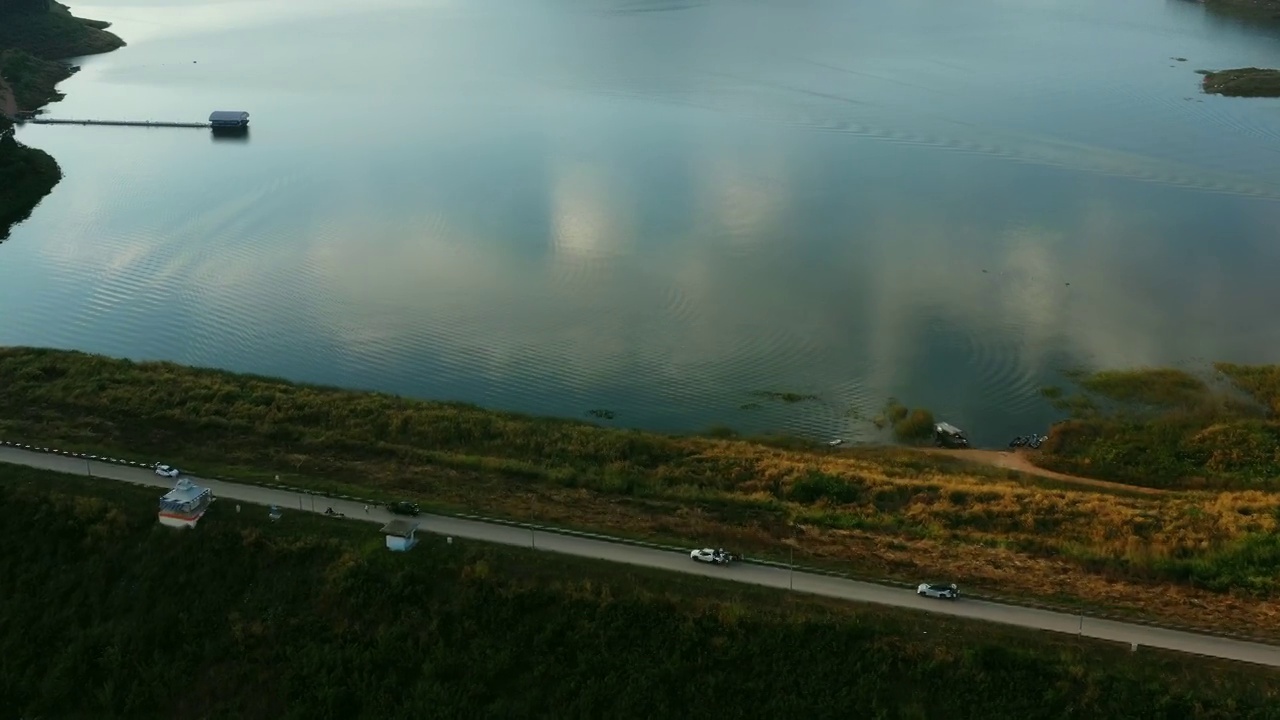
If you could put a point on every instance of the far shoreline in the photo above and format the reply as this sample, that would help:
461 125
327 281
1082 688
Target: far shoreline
34 48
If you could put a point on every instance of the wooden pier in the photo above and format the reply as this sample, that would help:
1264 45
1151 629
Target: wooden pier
122 123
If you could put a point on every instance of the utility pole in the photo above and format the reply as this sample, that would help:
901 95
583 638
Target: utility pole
791 573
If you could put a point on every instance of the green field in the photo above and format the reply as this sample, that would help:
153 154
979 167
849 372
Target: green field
117 617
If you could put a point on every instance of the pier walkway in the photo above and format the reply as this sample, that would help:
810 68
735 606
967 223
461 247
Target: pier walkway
125 123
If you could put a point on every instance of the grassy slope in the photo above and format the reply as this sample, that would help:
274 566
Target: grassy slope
313 618
32 79
56 35
1183 557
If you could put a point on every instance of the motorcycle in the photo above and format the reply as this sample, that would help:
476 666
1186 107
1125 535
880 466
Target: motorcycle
1032 441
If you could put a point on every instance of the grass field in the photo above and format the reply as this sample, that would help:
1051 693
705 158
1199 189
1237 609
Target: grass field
1194 558
313 618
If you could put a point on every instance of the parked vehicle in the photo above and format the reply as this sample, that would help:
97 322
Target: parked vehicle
938 590
1032 441
404 508
167 471
950 436
717 556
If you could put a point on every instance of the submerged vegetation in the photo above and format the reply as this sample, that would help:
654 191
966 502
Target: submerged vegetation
909 426
313 618
1197 559
1243 82
1169 429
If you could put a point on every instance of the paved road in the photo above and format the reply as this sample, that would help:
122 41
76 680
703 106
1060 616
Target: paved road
746 573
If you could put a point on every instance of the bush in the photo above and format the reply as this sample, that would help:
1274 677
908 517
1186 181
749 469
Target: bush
817 487
915 427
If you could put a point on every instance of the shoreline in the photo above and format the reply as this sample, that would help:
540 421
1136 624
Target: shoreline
33 48
1183 556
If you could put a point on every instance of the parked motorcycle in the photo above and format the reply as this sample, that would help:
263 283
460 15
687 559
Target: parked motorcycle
1032 441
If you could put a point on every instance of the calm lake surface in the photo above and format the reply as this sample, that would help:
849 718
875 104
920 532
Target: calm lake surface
663 208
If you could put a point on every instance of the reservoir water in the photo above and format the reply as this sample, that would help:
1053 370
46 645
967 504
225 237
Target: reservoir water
666 209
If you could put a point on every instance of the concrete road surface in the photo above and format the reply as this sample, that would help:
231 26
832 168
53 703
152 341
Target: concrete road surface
679 561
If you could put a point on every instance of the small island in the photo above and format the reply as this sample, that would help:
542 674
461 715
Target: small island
1243 82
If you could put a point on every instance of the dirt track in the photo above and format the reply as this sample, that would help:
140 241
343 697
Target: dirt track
1018 460
8 106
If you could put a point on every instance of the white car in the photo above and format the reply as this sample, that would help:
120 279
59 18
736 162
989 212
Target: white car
948 592
167 471
707 555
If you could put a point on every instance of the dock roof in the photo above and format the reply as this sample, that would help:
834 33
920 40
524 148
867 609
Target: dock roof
400 528
184 491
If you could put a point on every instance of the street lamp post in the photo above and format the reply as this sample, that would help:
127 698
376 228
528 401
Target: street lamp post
791 572
88 467
533 539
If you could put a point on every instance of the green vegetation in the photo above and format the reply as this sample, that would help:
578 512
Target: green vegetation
1182 557
26 176
909 426
1168 429
786 397
1243 82
32 79
312 618
34 34
1256 10
49 31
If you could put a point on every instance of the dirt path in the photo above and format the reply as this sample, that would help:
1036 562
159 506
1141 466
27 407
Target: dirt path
1015 460
8 106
